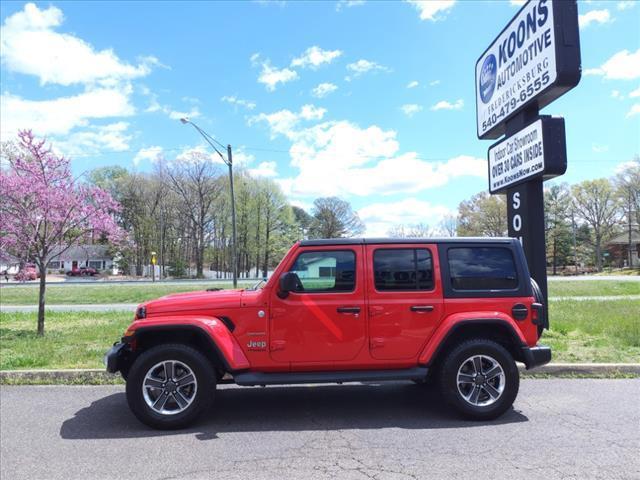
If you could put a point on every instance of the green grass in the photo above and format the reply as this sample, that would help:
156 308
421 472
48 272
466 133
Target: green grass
72 339
96 293
590 288
132 293
594 331
582 331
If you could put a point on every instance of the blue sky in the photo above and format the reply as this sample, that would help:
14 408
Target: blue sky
369 101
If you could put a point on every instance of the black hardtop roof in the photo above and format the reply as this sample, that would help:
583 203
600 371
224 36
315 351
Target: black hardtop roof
399 241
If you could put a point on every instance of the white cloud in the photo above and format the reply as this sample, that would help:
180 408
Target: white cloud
617 95
434 83
264 169
177 115
432 10
379 218
233 100
413 84
314 57
363 66
341 158
410 109
621 167
150 153
323 89
635 93
113 137
599 148
594 16
348 4
59 116
271 76
30 45
517 3
624 65
444 105
625 4
284 122
635 110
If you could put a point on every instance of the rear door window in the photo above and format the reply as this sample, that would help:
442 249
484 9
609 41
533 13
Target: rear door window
403 269
482 268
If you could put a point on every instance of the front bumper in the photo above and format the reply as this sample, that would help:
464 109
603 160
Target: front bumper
536 356
114 358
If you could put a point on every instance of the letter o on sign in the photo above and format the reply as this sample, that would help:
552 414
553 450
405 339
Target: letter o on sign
517 222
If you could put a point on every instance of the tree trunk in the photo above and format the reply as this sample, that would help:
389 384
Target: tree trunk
43 287
555 255
598 253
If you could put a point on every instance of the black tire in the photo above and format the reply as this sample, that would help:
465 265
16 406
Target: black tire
202 398
453 395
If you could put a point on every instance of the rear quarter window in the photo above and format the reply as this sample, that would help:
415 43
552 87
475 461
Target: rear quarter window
482 268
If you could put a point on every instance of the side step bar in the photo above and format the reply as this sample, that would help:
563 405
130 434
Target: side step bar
259 378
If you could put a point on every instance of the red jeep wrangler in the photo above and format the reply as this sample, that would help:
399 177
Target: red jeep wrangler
461 311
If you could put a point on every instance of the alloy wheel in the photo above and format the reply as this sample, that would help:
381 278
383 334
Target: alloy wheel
169 387
480 380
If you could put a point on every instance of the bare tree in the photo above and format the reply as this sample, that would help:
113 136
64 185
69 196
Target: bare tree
334 218
194 182
596 205
483 215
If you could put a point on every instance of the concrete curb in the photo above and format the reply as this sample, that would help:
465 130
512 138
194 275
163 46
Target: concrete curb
99 376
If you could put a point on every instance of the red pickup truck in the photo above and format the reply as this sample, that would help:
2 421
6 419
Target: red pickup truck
457 312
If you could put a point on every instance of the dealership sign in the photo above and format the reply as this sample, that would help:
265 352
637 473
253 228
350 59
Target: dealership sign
535 59
536 151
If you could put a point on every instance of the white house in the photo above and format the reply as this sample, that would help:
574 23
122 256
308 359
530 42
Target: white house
9 263
94 256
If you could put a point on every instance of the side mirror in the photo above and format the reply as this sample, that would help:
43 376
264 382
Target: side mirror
289 282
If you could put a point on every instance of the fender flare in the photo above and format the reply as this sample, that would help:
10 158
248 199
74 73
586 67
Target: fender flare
454 323
212 330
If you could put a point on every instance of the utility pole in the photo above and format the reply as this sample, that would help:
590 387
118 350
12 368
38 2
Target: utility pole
629 218
228 162
233 218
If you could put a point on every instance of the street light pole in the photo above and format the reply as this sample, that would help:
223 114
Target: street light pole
229 162
233 219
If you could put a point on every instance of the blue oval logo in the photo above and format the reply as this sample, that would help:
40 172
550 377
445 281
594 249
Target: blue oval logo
487 83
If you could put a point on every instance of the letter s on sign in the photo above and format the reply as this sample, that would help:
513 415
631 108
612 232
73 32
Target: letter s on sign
516 200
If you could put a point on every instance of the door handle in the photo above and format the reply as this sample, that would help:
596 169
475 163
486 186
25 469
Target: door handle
348 310
421 308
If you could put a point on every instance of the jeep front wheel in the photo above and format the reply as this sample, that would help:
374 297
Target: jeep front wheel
170 385
480 379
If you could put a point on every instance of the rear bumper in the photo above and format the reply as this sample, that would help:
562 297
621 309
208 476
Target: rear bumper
114 358
536 356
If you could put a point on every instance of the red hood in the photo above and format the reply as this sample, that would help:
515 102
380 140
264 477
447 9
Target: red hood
187 302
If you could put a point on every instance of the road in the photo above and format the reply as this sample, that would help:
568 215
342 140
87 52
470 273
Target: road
579 429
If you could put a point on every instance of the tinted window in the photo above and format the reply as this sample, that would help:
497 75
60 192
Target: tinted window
330 271
482 268
403 269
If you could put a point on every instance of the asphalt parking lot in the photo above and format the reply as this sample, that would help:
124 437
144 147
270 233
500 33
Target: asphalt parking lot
561 428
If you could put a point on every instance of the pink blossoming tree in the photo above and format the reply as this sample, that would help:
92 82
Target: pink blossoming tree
44 211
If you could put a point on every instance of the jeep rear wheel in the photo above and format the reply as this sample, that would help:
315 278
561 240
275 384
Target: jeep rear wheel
480 379
170 385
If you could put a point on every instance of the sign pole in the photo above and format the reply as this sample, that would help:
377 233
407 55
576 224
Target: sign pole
525 210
